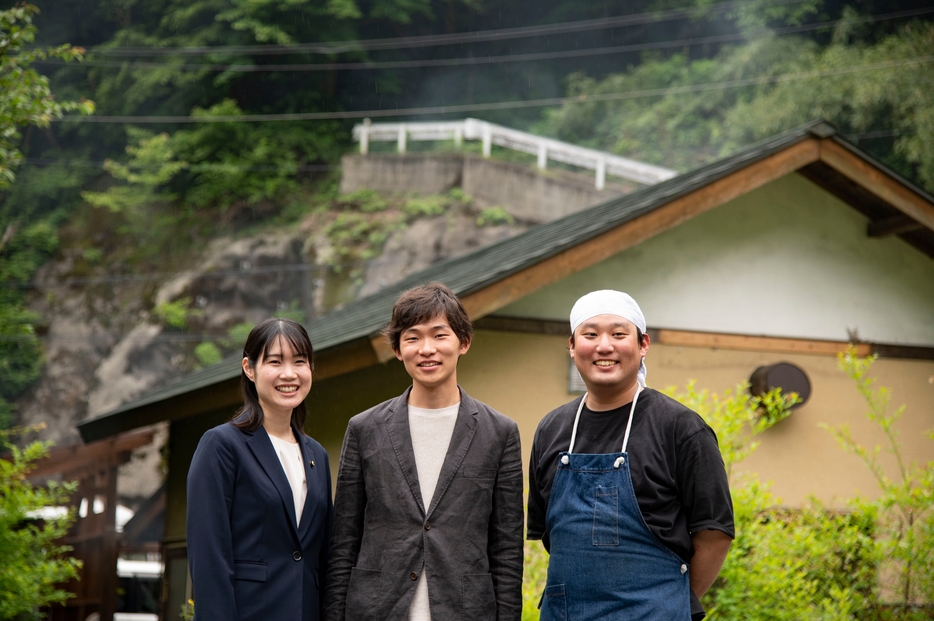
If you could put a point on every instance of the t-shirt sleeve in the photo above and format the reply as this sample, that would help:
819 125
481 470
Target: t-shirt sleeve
704 484
535 523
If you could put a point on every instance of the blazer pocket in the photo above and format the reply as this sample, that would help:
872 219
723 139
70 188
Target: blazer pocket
478 598
363 594
479 473
250 570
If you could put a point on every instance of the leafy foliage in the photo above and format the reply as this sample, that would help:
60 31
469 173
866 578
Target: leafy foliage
25 98
494 215
207 354
534 577
736 416
20 349
807 563
905 507
175 313
33 563
768 85
25 240
783 565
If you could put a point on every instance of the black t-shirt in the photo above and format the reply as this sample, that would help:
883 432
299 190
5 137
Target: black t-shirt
677 471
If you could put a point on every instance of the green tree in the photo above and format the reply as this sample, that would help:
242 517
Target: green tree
860 81
25 98
33 562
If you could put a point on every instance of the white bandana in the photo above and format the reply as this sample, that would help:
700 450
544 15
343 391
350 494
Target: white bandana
609 302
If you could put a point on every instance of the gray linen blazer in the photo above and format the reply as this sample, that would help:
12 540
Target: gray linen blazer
468 537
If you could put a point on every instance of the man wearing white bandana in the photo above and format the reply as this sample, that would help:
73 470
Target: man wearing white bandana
627 488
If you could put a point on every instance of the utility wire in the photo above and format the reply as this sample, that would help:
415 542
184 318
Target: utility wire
37 161
40 161
486 60
502 105
504 34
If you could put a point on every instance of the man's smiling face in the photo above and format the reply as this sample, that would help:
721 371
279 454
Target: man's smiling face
430 351
607 352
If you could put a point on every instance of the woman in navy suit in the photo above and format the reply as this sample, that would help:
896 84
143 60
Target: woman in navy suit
259 493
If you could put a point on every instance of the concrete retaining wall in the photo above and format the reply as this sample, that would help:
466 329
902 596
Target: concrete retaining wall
524 192
413 172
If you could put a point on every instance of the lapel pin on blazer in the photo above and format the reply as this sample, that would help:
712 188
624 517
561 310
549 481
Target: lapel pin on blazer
312 463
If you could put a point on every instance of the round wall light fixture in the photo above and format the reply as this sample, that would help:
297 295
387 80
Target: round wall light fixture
784 375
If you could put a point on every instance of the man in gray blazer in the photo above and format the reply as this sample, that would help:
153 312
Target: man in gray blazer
428 515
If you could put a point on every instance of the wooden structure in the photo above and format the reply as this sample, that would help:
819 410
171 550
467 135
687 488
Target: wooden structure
93 536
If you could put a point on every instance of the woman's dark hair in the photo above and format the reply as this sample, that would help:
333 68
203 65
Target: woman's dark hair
424 303
262 337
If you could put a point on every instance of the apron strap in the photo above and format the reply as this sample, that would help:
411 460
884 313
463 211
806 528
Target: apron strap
580 409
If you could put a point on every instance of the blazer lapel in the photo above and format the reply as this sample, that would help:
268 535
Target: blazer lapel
265 454
397 427
311 489
464 429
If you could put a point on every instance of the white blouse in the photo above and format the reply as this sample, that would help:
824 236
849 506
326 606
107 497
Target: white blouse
290 456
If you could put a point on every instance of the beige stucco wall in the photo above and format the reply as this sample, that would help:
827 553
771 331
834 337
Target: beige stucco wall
525 376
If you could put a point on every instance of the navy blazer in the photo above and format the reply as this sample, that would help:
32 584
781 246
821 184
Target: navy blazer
249 560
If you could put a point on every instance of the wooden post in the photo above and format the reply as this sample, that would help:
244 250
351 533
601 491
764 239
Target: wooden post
365 137
601 172
542 156
487 140
402 136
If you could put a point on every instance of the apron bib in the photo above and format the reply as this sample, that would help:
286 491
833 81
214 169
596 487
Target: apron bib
605 563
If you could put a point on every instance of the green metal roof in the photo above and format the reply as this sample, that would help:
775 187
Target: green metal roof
471 272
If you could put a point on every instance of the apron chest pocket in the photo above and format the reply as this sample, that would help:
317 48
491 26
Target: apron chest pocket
606 516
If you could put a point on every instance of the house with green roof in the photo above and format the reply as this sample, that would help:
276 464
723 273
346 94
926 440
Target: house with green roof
764 263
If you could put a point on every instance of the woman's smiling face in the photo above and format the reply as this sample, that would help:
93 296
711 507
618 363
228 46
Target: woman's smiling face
282 378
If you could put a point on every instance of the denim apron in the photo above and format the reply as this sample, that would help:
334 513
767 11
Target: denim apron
605 562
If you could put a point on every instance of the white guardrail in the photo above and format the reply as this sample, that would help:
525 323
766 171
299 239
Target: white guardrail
545 148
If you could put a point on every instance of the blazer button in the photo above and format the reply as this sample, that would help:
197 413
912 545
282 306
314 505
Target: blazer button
413 576
427 525
296 556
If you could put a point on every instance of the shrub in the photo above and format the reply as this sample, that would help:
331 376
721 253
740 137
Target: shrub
424 206
492 216
32 561
207 354
905 507
175 314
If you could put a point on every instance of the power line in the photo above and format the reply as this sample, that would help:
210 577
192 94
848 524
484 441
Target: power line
882 133
503 34
39 161
487 60
36 161
170 337
500 105
150 276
